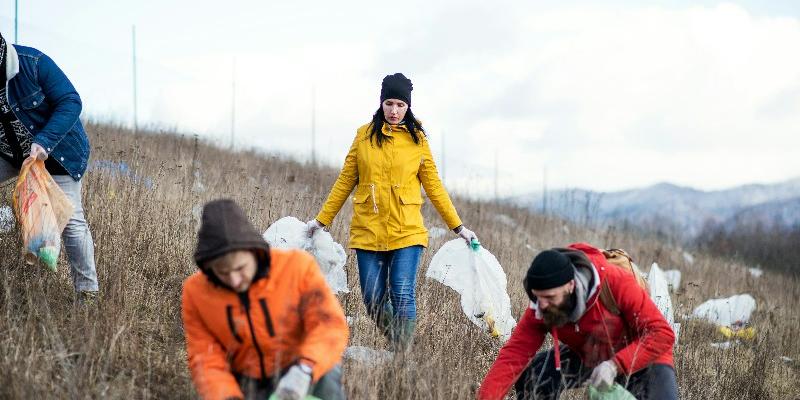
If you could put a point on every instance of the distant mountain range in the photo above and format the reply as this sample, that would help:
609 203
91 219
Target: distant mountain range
675 209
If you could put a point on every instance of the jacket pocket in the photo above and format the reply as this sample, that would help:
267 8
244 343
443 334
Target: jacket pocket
33 101
411 210
365 205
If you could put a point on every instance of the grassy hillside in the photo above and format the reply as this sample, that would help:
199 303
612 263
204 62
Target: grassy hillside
130 345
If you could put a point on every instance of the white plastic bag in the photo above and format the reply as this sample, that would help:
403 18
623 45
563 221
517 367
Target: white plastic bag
673 277
731 312
478 277
290 233
659 292
367 356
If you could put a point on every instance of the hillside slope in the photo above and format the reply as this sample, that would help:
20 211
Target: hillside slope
142 197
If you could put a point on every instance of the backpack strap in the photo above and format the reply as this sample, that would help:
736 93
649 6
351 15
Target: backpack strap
608 299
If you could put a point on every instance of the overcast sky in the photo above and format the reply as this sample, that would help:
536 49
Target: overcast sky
604 95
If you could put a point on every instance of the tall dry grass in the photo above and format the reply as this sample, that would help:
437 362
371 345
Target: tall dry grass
130 344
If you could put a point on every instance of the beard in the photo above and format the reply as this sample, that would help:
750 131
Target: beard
557 316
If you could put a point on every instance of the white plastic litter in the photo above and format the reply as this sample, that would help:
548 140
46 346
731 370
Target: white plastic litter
367 355
673 278
478 277
6 219
290 233
659 292
756 272
505 220
723 345
730 312
436 232
688 257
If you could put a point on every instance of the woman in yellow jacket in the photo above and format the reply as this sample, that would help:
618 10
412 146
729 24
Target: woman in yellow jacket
388 163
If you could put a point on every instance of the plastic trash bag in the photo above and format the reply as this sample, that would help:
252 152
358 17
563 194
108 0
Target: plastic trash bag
290 233
478 277
43 211
732 312
615 392
659 292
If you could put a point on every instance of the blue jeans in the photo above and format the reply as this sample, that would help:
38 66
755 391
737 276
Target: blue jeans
398 268
77 238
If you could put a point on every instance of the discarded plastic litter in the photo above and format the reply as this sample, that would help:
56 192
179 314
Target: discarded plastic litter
673 278
723 345
731 312
756 272
290 232
121 169
478 277
659 292
748 333
688 257
368 356
6 219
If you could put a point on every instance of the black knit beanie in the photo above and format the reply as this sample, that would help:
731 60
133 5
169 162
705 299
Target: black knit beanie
396 86
548 270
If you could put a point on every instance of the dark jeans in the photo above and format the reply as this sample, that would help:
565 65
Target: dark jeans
398 268
541 380
329 387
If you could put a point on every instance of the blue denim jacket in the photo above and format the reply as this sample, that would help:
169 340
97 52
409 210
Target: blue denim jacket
46 102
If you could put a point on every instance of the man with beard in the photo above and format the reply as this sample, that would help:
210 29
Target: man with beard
631 346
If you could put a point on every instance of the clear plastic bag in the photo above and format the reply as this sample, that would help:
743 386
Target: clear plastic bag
43 211
477 276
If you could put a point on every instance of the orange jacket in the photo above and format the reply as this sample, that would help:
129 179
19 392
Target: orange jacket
288 315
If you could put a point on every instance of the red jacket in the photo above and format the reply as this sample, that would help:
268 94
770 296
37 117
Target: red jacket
635 339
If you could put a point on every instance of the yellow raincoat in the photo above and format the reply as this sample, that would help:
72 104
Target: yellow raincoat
388 199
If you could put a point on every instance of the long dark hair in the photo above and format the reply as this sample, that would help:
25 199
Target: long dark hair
378 119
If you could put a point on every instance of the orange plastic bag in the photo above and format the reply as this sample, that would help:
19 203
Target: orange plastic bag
43 211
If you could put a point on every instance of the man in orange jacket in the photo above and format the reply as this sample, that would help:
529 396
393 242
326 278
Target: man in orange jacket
259 320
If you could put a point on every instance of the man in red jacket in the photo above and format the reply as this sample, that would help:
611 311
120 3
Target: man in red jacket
590 343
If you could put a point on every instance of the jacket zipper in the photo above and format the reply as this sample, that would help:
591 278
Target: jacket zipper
246 302
374 202
265 310
229 311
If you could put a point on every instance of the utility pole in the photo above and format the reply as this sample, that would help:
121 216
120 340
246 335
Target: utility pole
135 85
544 190
496 167
16 21
313 124
233 103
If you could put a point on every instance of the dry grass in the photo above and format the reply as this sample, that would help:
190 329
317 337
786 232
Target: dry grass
130 345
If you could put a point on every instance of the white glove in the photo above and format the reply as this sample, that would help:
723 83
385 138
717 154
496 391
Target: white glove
604 374
466 234
38 151
294 385
312 226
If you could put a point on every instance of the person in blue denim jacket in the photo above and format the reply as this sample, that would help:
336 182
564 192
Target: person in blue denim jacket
40 117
